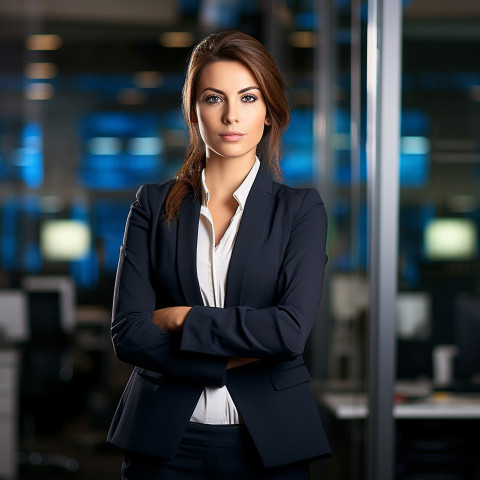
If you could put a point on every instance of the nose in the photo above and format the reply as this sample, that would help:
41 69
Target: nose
230 114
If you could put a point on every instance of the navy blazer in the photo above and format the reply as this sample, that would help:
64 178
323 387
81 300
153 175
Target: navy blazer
273 291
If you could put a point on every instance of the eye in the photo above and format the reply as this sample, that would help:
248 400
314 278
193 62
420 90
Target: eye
212 99
249 98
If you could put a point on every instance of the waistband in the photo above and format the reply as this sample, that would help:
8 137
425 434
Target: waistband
216 435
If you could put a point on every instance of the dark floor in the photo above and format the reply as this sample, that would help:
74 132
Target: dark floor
96 459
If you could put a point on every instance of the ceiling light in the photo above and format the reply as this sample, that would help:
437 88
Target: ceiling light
303 39
177 39
131 96
148 79
41 70
43 42
39 91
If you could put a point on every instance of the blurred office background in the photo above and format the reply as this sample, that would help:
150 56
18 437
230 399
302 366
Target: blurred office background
90 97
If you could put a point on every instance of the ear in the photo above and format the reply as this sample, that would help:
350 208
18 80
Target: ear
268 121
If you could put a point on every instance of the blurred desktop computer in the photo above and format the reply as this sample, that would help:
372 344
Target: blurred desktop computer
467 332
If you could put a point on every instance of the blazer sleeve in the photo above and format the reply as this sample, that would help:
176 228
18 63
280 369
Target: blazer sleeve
279 330
136 339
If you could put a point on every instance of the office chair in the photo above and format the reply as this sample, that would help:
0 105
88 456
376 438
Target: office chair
46 372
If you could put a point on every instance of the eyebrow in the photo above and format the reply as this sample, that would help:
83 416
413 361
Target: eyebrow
243 90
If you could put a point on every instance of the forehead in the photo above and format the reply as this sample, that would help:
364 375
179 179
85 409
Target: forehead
226 75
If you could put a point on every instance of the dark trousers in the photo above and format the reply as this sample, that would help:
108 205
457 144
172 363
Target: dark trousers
210 452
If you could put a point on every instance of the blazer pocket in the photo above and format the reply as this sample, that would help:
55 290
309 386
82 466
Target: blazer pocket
289 378
150 374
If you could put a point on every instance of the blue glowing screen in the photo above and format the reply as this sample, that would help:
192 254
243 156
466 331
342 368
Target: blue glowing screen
120 150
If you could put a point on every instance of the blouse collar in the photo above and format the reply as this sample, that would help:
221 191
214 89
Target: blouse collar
241 193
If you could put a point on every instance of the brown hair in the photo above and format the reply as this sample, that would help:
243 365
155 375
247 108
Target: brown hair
236 46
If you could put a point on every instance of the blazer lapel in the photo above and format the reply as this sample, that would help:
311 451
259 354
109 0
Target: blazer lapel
253 215
187 233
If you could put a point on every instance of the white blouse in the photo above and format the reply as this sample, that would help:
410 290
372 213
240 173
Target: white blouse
215 405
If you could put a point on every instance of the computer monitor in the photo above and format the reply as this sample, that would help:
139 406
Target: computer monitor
64 240
51 304
467 326
450 239
413 315
13 316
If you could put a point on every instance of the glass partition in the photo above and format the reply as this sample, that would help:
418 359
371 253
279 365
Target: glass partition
437 302
341 335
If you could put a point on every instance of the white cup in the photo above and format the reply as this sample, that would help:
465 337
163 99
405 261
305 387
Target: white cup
443 356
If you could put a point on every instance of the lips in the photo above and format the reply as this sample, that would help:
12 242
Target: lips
232 136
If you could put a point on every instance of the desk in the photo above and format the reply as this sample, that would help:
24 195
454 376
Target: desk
8 413
349 406
436 434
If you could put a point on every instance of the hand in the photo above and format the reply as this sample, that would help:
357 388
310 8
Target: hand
235 362
171 319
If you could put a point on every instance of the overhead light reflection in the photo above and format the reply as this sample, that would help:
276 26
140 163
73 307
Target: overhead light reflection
177 39
148 79
43 42
303 39
131 96
39 91
41 70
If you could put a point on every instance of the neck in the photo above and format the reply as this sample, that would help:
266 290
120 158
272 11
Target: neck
224 175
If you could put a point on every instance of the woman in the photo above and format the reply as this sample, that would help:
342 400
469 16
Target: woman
218 286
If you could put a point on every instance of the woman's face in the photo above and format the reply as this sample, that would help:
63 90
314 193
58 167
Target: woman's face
231 111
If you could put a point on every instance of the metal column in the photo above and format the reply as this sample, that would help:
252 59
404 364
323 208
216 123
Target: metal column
383 114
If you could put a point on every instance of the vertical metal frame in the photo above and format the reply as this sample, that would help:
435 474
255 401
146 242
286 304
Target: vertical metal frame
383 114
325 70
355 127
324 75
